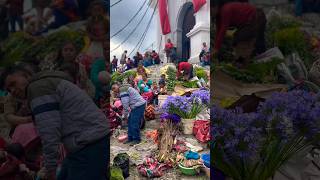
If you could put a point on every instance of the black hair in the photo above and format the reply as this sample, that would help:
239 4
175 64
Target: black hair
16 149
12 70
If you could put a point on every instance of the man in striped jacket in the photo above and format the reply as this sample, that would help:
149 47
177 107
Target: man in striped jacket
63 113
133 104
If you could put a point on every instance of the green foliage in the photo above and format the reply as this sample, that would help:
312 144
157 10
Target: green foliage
188 84
15 47
116 76
201 73
171 80
255 73
292 40
116 173
276 24
53 42
23 47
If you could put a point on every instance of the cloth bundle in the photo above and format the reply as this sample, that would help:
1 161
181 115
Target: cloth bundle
148 96
152 168
150 112
201 130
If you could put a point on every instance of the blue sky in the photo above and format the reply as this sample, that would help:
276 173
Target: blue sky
120 15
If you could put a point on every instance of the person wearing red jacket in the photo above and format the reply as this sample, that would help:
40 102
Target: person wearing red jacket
185 69
250 23
168 49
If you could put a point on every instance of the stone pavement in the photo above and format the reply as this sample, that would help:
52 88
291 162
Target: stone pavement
145 148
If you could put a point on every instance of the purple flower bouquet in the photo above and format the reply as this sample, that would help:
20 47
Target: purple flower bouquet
187 107
250 146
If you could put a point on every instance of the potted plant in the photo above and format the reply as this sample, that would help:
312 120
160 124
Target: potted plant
187 107
251 146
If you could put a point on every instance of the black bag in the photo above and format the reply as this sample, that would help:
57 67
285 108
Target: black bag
122 161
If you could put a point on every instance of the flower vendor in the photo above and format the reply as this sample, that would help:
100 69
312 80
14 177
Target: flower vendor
63 114
250 23
185 69
144 84
131 100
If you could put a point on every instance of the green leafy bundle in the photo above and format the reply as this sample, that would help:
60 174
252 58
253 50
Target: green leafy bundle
15 47
188 84
171 80
255 73
116 173
116 76
291 40
276 24
201 73
53 42
22 47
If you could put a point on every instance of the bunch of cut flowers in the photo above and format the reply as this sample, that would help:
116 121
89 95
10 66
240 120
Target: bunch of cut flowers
187 107
250 146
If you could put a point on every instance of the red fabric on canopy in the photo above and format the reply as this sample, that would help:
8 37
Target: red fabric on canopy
197 4
164 18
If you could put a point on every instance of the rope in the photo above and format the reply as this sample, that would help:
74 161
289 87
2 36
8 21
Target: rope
144 34
129 20
115 3
131 31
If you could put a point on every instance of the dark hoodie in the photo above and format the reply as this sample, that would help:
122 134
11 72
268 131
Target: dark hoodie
63 113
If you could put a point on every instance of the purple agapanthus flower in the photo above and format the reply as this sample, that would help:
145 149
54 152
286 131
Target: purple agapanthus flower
203 95
173 117
181 102
292 112
238 132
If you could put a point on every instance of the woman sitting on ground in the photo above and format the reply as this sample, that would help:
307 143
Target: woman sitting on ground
144 84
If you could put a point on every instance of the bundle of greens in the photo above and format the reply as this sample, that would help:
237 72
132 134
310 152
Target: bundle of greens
188 84
171 80
201 73
278 23
255 72
291 40
22 47
15 48
116 173
116 76
53 42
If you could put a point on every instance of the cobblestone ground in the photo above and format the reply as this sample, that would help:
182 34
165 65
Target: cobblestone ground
146 147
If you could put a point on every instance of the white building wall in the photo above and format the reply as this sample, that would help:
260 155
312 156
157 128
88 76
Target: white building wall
199 34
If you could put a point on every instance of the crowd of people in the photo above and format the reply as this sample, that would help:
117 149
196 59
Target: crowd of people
152 58
136 94
52 126
126 63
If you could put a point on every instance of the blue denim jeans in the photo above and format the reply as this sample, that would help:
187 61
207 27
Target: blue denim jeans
134 122
91 162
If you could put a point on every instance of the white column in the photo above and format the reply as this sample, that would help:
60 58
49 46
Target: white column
200 32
